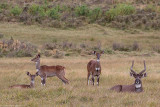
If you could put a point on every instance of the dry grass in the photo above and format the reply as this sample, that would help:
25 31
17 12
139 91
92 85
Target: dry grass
115 71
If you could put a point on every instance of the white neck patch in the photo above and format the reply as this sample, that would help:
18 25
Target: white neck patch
138 85
98 60
32 82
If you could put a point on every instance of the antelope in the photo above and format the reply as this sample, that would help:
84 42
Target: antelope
137 86
45 71
32 77
94 68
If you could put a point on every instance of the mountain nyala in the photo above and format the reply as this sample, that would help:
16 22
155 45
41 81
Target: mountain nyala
94 68
45 71
32 78
136 86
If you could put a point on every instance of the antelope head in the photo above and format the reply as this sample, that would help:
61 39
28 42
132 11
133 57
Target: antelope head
98 55
138 83
36 58
32 77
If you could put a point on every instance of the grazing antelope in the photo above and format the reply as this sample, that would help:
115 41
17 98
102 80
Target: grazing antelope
32 77
94 68
137 86
45 71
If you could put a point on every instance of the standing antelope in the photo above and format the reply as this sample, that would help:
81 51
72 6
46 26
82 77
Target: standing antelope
137 86
94 68
32 77
45 71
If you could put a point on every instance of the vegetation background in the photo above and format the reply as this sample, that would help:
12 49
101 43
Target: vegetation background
66 32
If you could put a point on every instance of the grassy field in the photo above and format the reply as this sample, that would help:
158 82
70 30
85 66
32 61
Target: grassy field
91 34
115 69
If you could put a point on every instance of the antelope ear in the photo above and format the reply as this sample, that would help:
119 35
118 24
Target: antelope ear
36 73
131 74
39 55
28 74
144 75
94 52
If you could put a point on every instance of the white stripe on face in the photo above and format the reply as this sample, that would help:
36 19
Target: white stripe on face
97 69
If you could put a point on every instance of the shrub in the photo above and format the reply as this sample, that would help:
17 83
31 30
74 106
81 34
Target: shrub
120 9
41 11
24 53
53 13
150 7
33 9
47 53
49 46
16 11
120 47
59 54
108 51
4 6
37 10
82 10
95 14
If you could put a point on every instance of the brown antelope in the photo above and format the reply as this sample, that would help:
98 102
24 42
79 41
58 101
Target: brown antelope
32 77
94 68
45 71
137 86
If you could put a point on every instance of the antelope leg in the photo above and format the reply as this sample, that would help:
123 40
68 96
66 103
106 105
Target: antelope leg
63 79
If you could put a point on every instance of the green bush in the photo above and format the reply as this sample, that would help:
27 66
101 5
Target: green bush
3 6
82 10
33 9
95 14
16 11
37 10
53 13
120 9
